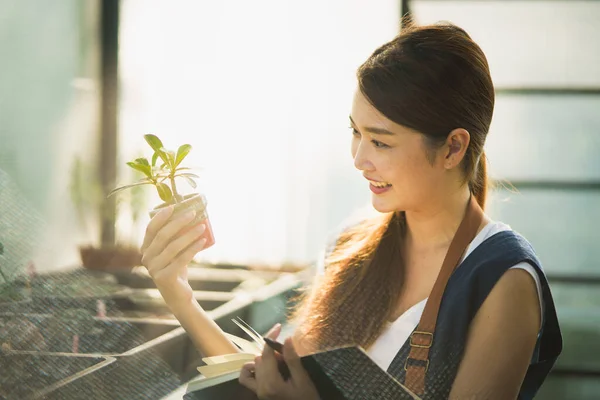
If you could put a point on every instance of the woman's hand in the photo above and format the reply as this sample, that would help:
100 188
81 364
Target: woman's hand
263 377
169 246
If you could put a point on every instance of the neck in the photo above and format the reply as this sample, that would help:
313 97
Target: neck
434 225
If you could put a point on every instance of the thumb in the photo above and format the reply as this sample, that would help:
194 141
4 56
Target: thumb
163 215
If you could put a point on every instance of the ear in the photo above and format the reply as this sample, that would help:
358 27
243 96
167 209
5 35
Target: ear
455 147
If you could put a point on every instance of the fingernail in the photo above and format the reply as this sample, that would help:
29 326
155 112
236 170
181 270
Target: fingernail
200 228
189 214
167 210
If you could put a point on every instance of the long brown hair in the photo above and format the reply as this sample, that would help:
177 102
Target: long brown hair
432 79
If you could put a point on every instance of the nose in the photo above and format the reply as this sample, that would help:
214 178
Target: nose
360 152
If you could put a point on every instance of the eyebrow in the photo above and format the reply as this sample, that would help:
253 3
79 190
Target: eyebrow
374 130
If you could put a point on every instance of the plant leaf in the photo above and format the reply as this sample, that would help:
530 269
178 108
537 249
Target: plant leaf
164 191
163 154
142 161
154 158
182 152
157 146
170 158
145 169
191 181
188 175
144 181
154 142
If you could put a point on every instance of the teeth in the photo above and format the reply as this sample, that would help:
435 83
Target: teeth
380 184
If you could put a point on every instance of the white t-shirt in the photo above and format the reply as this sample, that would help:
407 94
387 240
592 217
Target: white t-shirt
395 334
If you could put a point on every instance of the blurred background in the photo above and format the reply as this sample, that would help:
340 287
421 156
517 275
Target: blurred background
262 91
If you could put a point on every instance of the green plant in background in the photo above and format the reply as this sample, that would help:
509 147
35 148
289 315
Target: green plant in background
162 177
87 196
85 191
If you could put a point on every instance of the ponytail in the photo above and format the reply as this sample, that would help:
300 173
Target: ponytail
479 185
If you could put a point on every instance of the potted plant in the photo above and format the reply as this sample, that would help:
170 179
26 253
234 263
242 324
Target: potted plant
86 195
164 179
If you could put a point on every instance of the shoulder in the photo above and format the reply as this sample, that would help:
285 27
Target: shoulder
510 316
488 271
515 294
498 247
502 336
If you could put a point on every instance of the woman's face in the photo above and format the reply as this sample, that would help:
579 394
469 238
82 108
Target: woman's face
393 159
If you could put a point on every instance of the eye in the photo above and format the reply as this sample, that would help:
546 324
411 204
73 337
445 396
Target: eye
379 145
354 131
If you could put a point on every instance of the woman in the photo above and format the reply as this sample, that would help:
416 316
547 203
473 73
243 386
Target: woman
419 119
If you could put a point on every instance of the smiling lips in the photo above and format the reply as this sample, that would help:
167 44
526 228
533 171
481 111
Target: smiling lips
378 187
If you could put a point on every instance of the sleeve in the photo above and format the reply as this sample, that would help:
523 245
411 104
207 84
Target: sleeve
531 270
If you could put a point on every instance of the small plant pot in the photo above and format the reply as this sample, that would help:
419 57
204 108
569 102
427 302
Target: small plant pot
110 258
197 203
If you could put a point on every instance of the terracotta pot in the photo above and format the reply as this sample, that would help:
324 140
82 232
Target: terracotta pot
110 258
198 203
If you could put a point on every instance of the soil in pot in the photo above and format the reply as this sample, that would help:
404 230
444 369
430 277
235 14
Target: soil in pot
20 334
11 293
75 331
13 297
24 375
50 293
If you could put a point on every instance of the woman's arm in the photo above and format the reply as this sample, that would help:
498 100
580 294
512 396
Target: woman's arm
169 246
501 340
206 335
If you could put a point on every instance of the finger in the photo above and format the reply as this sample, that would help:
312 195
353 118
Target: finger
166 233
267 370
268 378
247 376
180 262
293 361
157 222
274 332
174 248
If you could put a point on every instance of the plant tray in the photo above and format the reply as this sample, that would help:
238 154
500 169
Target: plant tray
34 375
